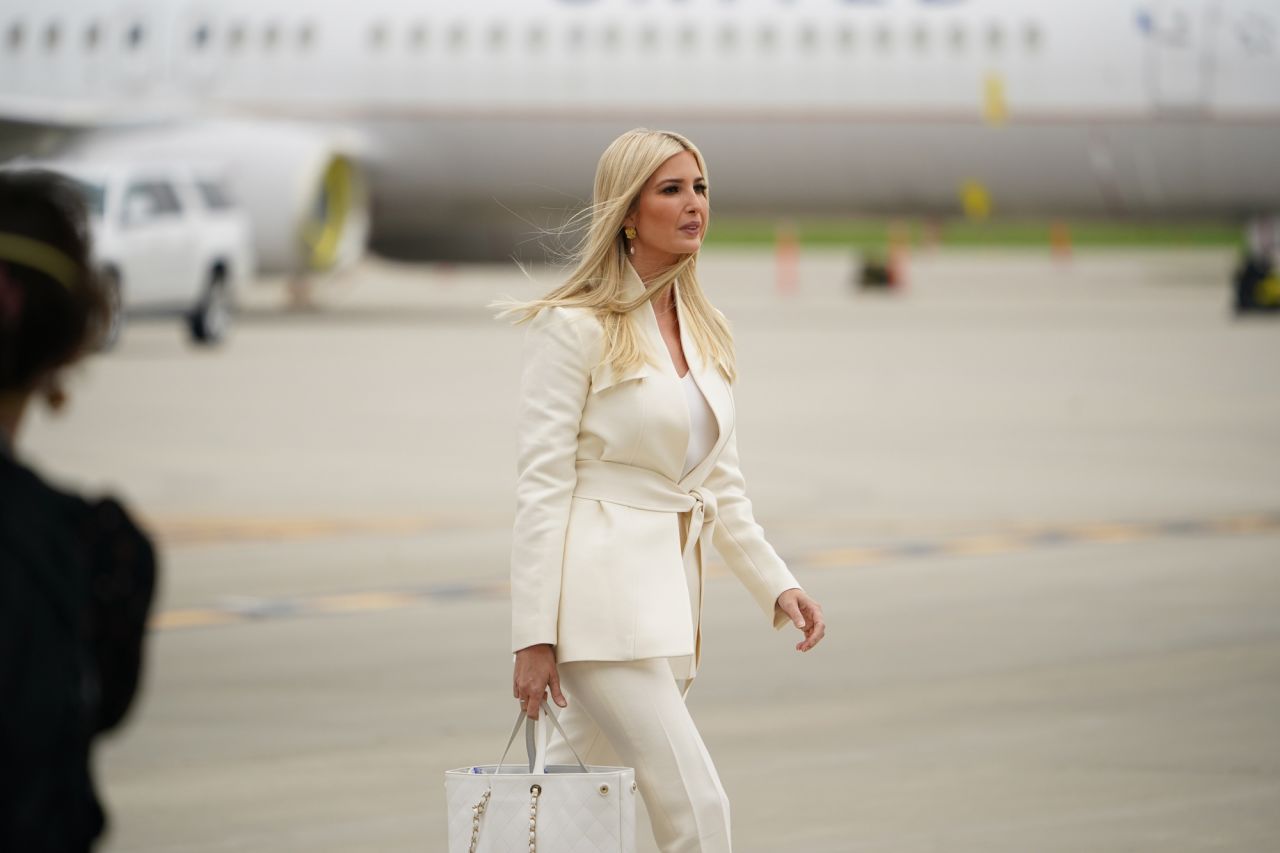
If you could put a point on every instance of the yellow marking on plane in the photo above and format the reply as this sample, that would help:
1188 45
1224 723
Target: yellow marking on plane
975 200
1268 290
995 109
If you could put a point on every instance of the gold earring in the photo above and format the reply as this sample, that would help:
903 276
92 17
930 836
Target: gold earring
630 231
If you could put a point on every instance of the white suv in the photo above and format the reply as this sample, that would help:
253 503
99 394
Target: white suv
167 238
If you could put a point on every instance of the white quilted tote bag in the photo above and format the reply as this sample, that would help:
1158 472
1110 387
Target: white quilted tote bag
533 808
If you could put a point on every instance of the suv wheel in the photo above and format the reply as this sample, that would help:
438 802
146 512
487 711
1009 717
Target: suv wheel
211 317
115 314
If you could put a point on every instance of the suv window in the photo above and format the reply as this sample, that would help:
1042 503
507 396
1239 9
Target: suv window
215 195
93 194
157 199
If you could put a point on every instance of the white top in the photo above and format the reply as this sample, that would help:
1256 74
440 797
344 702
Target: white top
703 430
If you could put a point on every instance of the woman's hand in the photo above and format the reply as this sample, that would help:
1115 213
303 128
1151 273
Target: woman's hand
536 671
806 614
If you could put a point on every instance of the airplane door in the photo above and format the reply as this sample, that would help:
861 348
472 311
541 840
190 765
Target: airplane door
1176 53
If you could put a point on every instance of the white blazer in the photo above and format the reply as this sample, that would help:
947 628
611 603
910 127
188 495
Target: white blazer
597 567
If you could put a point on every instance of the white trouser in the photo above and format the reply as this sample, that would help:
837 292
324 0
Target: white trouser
630 713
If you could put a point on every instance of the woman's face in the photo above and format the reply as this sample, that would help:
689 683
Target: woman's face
670 216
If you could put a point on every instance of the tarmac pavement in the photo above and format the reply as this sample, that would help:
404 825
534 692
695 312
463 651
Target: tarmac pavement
1039 501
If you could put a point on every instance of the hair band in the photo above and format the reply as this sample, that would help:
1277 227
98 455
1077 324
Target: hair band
39 256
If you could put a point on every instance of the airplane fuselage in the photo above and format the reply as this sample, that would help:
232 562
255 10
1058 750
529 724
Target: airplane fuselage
469 120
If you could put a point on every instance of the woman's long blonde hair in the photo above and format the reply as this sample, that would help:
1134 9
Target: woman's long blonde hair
600 260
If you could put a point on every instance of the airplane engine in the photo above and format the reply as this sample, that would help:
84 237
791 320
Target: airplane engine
303 189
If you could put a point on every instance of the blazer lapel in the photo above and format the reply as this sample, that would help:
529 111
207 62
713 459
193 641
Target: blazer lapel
707 377
713 386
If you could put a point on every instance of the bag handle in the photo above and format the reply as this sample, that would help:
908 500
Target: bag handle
537 756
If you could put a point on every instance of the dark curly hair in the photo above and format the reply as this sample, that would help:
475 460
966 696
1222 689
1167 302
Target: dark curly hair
53 308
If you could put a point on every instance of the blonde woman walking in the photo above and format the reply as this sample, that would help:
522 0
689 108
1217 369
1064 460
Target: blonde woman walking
627 469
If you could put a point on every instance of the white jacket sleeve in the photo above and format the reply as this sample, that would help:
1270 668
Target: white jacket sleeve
553 391
740 540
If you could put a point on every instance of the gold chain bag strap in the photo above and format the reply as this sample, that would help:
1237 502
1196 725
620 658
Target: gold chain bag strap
580 793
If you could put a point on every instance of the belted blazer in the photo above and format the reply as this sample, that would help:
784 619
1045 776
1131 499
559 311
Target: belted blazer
598 566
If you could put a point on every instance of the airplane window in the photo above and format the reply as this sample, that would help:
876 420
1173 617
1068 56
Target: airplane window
378 36
537 37
417 36
920 37
575 37
92 35
457 36
884 37
235 39
306 35
808 37
271 36
1032 37
995 37
200 37
497 36
957 38
649 36
728 37
15 36
51 37
766 38
611 37
688 37
135 36
847 37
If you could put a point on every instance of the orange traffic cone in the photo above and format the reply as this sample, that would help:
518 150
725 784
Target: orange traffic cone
787 258
899 241
1060 241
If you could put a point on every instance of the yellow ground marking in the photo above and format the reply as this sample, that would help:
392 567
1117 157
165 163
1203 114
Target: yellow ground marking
199 531
1246 524
1110 532
359 601
839 557
985 545
191 619
1024 538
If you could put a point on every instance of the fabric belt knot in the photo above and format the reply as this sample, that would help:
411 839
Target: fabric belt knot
644 488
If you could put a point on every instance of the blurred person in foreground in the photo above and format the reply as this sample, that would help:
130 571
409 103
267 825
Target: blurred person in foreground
76 575
627 469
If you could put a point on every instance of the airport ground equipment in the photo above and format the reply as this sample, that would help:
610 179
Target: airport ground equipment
168 238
